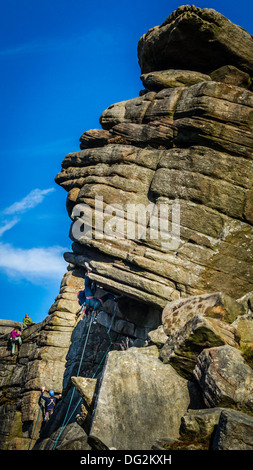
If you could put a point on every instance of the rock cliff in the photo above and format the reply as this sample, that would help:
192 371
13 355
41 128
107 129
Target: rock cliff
161 203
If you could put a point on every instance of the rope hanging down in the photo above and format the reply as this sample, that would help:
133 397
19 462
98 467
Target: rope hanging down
70 402
79 401
73 391
35 427
65 421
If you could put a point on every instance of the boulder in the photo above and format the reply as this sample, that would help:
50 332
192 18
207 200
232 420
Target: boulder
234 431
217 305
211 429
18 443
195 39
94 138
158 337
200 424
86 387
225 378
247 301
244 326
140 399
172 78
183 347
232 76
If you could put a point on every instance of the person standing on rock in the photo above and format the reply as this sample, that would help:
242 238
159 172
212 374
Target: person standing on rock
15 339
50 403
27 320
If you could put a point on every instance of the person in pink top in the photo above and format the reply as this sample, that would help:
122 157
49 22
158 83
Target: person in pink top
15 338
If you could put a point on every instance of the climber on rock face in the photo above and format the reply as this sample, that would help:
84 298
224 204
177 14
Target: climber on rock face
50 402
15 338
88 295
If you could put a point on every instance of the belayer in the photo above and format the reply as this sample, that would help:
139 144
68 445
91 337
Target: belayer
50 403
87 297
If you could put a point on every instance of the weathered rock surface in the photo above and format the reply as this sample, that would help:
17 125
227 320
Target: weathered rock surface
158 336
210 45
50 356
225 378
183 147
200 424
186 138
172 78
232 76
234 431
135 383
217 306
185 345
211 179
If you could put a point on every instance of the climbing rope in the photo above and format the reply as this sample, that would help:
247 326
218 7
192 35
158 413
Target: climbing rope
79 401
66 421
73 391
29 448
114 313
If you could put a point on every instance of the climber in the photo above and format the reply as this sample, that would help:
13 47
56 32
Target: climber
15 338
27 320
50 403
87 297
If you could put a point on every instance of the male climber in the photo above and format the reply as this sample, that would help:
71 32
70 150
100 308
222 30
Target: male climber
88 295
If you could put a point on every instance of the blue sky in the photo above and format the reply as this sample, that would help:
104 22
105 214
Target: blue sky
62 64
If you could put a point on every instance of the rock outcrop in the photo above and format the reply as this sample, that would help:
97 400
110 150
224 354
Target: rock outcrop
186 139
161 203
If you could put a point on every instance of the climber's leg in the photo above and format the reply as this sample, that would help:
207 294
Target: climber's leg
12 347
96 304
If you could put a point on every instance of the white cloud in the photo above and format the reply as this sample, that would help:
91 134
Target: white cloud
33 263
34 198
7 225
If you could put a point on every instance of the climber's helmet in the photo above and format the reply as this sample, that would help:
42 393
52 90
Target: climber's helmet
51 393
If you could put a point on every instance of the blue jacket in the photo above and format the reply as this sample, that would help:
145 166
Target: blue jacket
89 291
50 402
89 286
